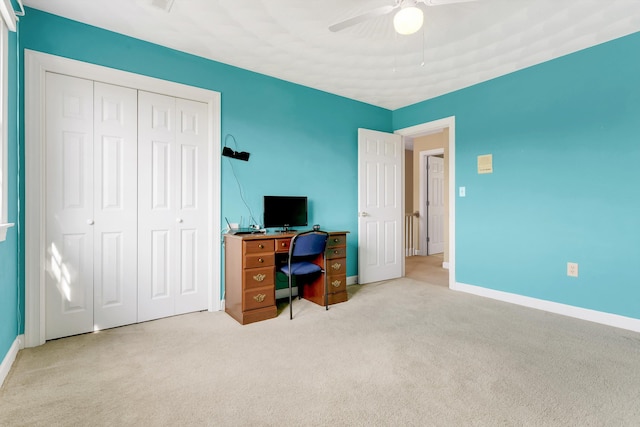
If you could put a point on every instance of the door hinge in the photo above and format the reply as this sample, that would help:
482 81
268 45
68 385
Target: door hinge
428 239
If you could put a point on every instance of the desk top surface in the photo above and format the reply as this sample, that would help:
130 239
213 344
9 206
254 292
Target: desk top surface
272 235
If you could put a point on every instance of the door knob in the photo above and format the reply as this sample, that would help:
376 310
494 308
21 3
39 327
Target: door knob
90 221
363 214
179 220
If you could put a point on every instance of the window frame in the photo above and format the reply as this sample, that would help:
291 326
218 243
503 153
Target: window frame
7 23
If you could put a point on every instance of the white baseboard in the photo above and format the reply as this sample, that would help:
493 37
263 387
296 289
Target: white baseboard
222 305
608 319
7 362
445 265
352 280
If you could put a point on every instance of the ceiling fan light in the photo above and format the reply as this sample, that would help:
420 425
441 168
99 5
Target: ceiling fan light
408 20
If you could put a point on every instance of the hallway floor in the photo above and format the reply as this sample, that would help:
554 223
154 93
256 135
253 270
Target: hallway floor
427 269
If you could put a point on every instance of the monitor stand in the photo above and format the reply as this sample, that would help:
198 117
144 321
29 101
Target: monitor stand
286 229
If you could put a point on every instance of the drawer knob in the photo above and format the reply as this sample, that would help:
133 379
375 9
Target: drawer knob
284 244
259 297
336 283
260 260
336 240
336 266
261 246
336 252
259 277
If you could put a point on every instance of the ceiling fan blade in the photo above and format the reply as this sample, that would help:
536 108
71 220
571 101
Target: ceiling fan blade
361 18
444 2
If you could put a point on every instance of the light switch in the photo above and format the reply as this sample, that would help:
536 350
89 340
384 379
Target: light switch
463 191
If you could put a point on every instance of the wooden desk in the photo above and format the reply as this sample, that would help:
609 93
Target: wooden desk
251 262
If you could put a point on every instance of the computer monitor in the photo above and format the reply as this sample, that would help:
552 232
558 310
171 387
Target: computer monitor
285 212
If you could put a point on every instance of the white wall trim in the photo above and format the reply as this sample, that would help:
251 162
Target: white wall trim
37 64
10 357
445 265
8 14
3 230
425 129
352 280
553 307
4 129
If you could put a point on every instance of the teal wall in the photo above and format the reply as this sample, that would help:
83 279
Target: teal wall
302 141
10 319
565 139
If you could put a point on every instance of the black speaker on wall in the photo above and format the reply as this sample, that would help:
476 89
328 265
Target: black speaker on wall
239 155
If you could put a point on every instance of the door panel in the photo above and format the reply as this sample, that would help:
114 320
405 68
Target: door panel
115 205
68 205
160 175
435 205
173 215
160 264
188 261
191 138
157 185
380 157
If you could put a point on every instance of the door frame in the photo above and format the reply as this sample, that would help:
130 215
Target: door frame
36 65
425 129
423 190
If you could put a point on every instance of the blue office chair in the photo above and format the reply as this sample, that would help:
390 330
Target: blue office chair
306 257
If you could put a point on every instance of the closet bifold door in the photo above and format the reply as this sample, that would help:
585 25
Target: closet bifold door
69 206
91 139
115 205
172 206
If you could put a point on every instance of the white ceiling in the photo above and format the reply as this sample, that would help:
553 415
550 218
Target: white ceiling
462 44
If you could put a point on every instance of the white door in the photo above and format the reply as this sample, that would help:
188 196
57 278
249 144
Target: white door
192 209
380 206
172 206
69 206
91 206
435 205
115 206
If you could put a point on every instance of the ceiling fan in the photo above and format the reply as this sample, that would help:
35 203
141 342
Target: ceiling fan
407 20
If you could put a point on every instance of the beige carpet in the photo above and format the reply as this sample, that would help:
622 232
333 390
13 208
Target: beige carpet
401 353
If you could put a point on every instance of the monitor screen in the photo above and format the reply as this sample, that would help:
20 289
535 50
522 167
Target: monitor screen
285 211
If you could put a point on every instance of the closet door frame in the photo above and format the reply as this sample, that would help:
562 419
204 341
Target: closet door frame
37 64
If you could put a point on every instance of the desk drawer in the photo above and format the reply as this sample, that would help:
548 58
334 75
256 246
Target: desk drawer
282 245
336 284
259 260
337 240
258 246
258 277
337 266
258 298
333 253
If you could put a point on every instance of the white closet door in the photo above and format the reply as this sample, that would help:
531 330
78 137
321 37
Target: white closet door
157 186
192 209
172 206
69 205
115 206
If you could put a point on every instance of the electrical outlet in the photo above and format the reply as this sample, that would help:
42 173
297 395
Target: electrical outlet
572 269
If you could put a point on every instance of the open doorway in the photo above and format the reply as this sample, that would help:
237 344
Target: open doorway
436 140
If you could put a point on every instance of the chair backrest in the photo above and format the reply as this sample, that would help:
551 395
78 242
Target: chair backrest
308 243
